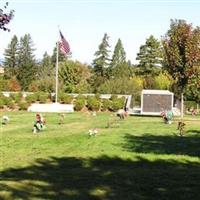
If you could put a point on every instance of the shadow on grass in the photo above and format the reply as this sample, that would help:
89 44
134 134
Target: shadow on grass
177 145
103 178
194 131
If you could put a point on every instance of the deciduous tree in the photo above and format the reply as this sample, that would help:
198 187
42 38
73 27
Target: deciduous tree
74 76
181 51
5 18
193 87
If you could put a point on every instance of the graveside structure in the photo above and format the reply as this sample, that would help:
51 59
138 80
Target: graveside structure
51 107
153 102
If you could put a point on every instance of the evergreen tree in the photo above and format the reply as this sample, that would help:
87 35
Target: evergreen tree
46 61
119 55
122 70
101 62
45 76
119 67
11 55
61 56
46 68
150 57
26 62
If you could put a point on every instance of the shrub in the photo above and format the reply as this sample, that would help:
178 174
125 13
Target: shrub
6 100
65 98
60 96
81 97
93 104
79 104
106 105
190 104
11 105
37 95
23 105
117 104
43 97
13 84
31 98
113 97
97 96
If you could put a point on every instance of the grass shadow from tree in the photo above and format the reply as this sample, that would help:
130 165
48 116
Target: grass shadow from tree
162 144
102 178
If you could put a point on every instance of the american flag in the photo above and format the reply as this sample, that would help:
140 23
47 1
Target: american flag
64 45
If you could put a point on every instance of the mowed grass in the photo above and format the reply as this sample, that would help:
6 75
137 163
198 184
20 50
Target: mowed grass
135 158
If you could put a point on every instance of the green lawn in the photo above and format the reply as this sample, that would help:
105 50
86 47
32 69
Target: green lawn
136 158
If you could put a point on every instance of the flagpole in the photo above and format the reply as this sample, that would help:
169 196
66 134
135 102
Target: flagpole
56 100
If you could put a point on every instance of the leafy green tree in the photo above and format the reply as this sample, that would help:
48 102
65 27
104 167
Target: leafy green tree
181 52
101 62
46 84
150 57
149 82
193 87
11 58
26 62
74 76
163 81
122 86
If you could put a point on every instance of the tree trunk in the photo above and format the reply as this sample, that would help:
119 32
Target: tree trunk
182 107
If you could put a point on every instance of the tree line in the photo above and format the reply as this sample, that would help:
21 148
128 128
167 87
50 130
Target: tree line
173 63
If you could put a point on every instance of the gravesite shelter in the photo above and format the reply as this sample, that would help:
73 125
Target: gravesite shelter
153 102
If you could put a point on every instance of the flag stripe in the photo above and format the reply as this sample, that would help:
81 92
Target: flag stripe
64 45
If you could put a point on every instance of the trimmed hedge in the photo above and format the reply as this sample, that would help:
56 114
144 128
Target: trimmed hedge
65 98
23 105
106 105
11 105
79 104
31 98
93 104
117 104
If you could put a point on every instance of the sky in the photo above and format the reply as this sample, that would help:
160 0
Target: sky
84 22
